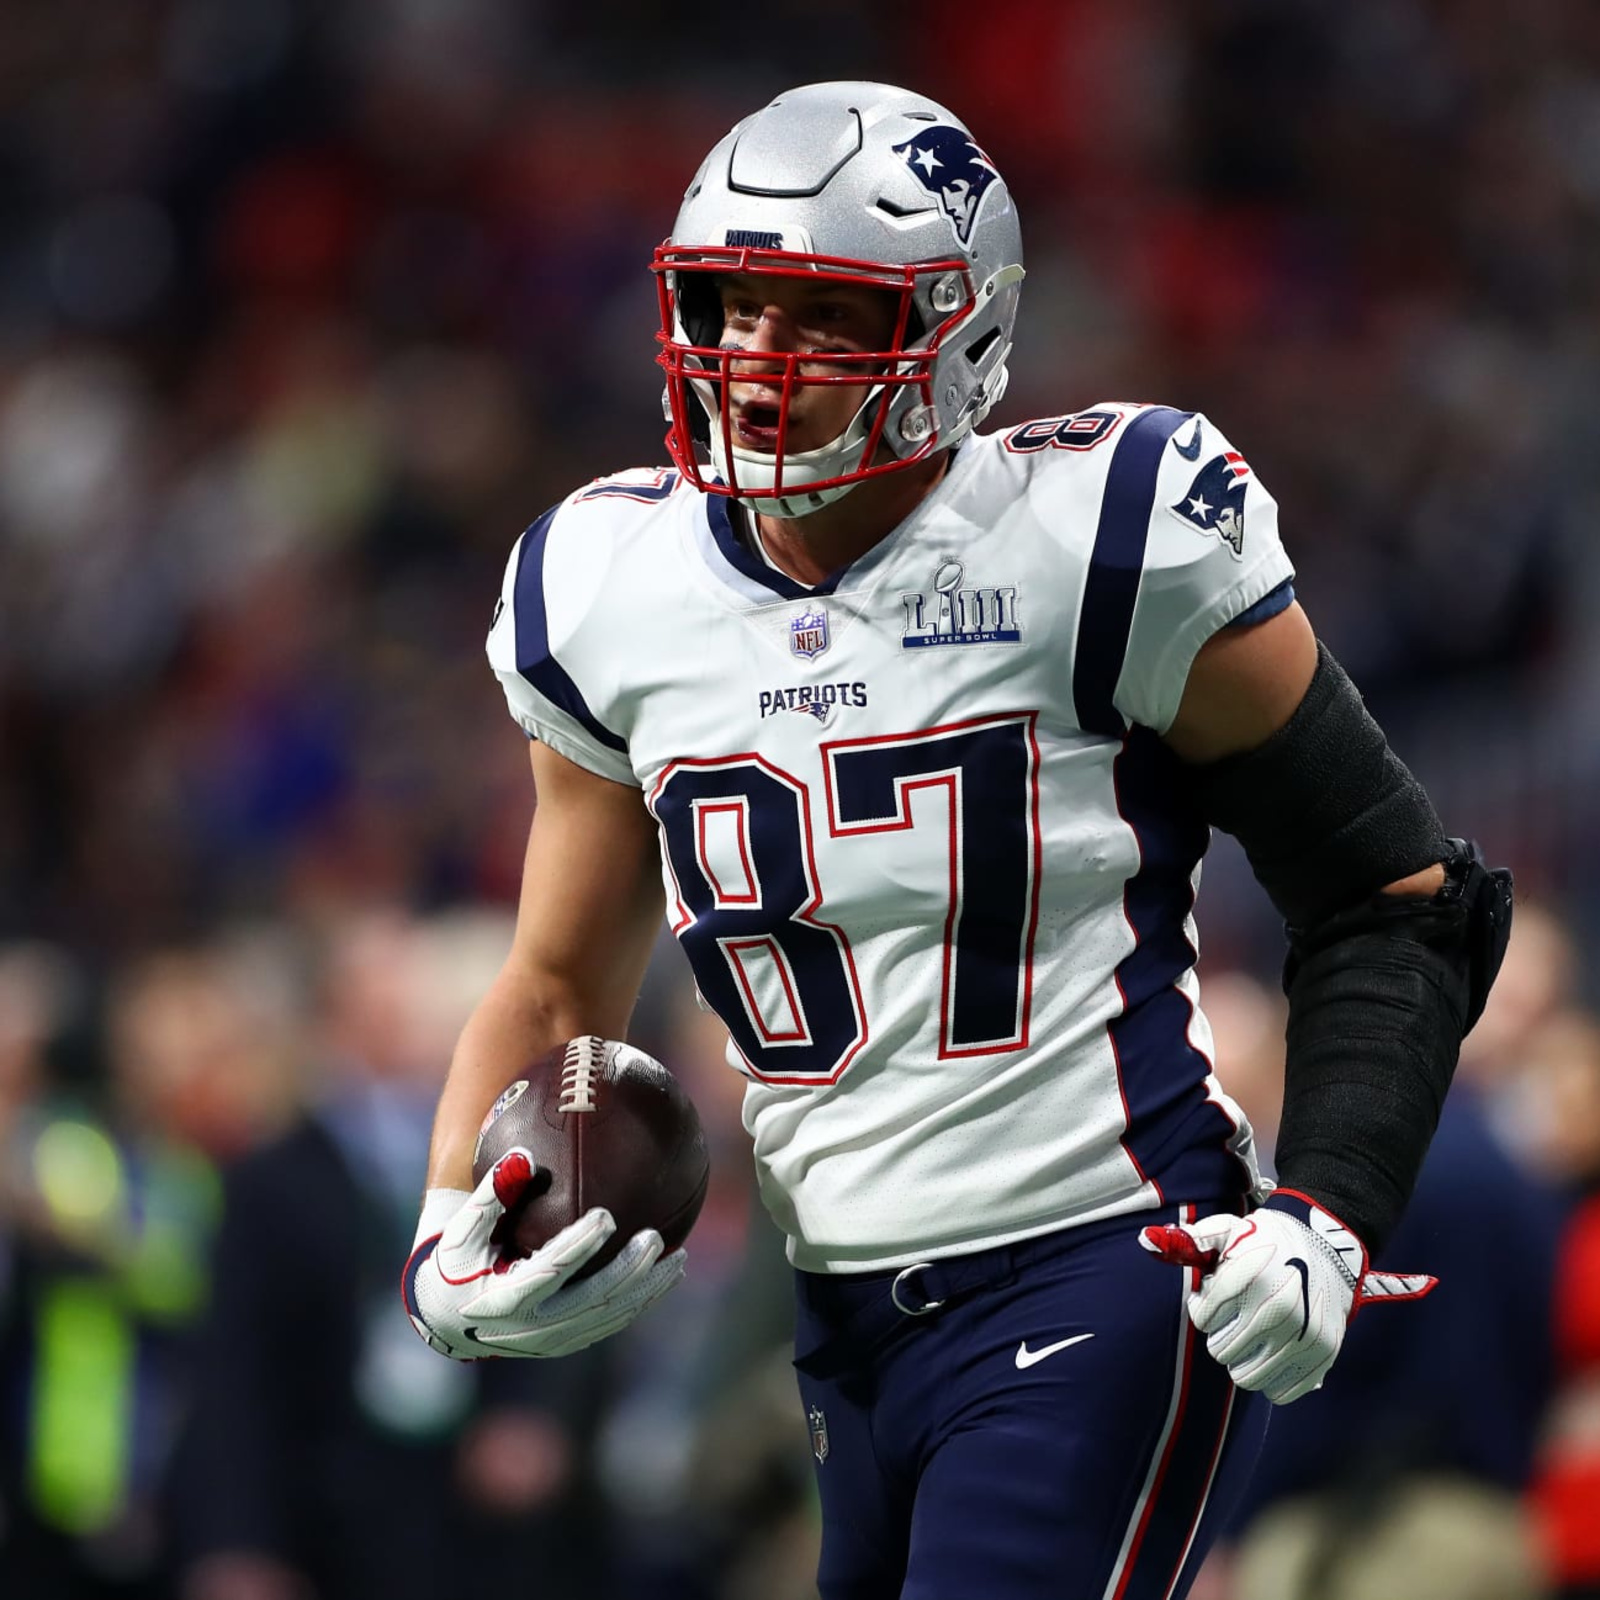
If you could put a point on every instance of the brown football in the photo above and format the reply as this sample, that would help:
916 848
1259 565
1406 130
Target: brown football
608 1126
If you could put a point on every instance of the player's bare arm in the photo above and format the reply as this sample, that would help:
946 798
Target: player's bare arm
590 908
591 901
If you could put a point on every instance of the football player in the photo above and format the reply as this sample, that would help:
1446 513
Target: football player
918 734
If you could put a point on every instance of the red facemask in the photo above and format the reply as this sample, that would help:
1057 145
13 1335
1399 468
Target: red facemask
896 423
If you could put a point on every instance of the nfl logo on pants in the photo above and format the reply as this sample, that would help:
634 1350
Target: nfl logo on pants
819 1433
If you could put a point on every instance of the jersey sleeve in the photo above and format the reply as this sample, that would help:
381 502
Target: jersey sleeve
540 647
1210 554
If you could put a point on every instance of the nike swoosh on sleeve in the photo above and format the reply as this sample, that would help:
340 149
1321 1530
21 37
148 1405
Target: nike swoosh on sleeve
1190 451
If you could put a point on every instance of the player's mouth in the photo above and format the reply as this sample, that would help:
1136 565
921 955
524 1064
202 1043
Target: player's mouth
756 425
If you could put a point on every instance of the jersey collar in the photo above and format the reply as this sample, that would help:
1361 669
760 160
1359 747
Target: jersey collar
757 580
747 562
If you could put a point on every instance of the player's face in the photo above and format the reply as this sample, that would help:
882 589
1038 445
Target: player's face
775 317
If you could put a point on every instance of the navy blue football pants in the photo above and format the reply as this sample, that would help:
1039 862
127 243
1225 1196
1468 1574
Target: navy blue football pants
1055 1430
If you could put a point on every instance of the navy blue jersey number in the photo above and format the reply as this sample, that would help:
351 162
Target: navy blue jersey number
738 843
642 484
980 783
738 836
1083 430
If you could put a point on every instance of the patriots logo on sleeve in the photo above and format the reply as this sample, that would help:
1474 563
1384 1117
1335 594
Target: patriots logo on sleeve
1215 501
954 171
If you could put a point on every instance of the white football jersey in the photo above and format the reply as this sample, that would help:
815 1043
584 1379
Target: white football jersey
921 844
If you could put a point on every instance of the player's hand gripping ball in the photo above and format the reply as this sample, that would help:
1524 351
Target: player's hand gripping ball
605 1125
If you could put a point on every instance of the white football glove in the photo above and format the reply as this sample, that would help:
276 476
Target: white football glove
1278 1289
469 1300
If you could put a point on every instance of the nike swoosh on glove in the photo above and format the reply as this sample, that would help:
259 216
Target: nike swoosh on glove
1278 1289
468 1300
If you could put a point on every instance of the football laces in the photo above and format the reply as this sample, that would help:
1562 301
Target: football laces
583 1063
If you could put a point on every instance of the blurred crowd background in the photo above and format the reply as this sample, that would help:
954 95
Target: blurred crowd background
307 307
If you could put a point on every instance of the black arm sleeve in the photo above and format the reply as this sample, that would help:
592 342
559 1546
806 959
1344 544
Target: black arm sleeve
1381 988
1380 998
1326 812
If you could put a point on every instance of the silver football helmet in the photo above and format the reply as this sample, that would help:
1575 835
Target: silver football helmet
862 183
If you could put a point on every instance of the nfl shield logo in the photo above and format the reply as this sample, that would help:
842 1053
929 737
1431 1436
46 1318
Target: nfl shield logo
819 1434
808 633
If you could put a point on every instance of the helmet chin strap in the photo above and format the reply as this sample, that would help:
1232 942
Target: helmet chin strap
757 471
752 469
791 506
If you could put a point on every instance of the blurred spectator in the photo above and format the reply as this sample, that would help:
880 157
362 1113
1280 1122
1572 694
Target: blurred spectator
1420 1538
36 984
289 300
328 1453
678 1365
306 310
1424 1440
1565 1062
1247 1020
1539 979
113 1203
752 1483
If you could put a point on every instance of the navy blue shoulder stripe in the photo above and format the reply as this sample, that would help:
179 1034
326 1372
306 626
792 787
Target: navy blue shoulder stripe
1269 605
1116 565
535 661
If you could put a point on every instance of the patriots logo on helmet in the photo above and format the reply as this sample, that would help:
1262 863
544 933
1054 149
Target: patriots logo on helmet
954 171
1215 501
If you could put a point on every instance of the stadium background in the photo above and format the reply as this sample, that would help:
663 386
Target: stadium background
307 309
